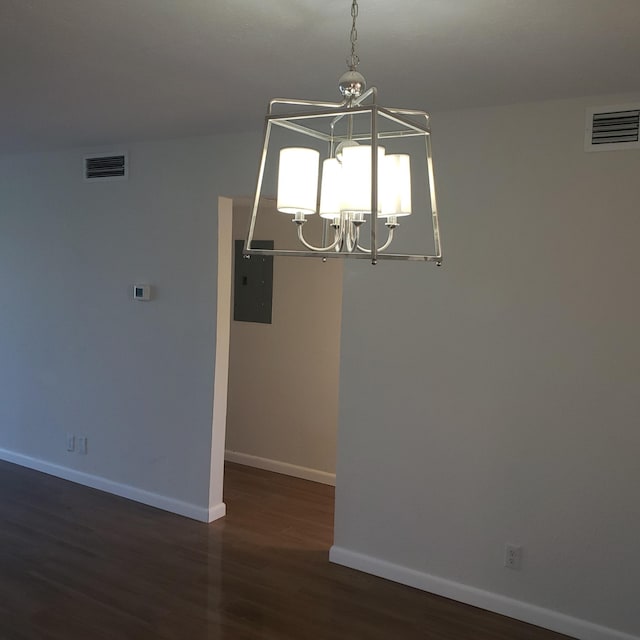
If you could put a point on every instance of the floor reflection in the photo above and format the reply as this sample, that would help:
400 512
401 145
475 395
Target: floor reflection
78 564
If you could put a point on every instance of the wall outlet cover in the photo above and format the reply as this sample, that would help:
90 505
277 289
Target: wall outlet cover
513 556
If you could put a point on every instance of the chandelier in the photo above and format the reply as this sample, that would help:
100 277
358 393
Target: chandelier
354 177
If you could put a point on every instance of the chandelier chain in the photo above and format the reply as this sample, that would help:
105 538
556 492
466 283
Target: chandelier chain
353 60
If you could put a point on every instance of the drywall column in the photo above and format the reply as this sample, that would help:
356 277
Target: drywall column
505 409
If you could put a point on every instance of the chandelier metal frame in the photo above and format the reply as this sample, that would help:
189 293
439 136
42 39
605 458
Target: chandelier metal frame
341 236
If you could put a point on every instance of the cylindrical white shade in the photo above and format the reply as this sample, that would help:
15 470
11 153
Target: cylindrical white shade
331 189
356 178
396 185
298 180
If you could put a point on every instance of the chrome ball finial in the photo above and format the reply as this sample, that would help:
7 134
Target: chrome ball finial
352 84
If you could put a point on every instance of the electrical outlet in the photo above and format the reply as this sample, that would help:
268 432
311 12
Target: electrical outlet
82 445
513 557
71 442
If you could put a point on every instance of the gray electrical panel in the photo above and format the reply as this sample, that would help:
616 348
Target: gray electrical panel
253 284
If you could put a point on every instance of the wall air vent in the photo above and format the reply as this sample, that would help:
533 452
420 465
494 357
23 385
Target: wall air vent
112 166
612 128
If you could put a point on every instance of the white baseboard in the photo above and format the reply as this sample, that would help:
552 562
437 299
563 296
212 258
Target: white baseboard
217 511
124 490
281 467
547 618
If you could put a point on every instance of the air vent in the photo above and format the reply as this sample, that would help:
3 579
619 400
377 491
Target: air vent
111 166
612 128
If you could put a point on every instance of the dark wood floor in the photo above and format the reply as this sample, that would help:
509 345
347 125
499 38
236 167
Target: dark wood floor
78 564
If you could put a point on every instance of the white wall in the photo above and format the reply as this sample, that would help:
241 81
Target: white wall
504 405
494 400
76 354
283 377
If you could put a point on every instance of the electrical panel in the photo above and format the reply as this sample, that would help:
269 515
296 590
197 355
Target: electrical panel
253 284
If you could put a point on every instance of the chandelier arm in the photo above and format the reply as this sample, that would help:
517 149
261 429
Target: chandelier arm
383 247
353 232
347 239
335 243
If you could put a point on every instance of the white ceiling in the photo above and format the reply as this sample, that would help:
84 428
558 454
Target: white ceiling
94 72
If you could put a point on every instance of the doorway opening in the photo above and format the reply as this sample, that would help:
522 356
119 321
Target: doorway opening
282 375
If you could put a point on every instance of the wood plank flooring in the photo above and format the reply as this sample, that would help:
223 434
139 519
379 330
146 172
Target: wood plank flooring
79 564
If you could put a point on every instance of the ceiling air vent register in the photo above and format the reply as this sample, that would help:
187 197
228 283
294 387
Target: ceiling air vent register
111 166
612 128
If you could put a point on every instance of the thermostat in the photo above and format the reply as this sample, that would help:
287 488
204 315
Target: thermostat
141 292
